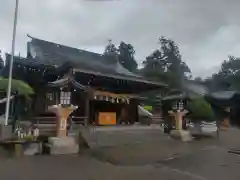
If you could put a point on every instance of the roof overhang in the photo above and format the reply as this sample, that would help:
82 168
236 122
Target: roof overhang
129 78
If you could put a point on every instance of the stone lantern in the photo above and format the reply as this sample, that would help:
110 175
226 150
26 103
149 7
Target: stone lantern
225 104
175 111
62 112
61 143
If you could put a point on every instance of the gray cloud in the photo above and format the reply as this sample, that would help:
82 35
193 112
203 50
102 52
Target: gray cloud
206 31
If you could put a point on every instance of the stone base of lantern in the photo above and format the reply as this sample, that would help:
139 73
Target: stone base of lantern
63 145
5 132
182 135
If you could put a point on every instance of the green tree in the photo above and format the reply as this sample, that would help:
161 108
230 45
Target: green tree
228 76
18 86
22 96
200 110
126 56
111 51
165 64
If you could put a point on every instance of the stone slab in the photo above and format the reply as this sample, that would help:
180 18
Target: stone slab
182 135
5 132
63 145
33 149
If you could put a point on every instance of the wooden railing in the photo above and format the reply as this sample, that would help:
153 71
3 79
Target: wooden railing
79 119
46 125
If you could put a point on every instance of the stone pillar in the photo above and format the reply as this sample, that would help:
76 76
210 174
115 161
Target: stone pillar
179 133
62 116
178 117
226 122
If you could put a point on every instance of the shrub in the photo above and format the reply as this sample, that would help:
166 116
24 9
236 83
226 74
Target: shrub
17 86
200 110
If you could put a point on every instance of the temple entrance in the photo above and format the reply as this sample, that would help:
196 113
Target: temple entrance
107 113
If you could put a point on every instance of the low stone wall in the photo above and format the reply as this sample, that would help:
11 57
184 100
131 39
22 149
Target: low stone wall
5 132
63 145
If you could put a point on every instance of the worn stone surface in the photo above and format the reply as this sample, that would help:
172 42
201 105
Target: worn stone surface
63 145
135 154
5 132
182 135
32 149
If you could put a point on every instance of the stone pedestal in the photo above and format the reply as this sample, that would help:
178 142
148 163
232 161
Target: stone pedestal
63 145
225 124
182 135
33 149
5 132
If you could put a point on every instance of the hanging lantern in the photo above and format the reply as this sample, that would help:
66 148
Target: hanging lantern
180 105
175 105
107 98
112 100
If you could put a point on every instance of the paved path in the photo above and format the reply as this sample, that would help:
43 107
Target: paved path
141 154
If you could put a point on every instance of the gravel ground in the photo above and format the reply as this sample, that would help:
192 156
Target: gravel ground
134 154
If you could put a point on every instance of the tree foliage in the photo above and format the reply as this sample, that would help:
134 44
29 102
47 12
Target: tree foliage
124 53
126 56
200 110
228 77
111 51
165 64
18 86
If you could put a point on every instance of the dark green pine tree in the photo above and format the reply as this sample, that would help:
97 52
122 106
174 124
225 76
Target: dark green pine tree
228 77
126 56
111 51
165 64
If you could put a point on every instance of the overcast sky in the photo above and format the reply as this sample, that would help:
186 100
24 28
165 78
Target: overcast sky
207 31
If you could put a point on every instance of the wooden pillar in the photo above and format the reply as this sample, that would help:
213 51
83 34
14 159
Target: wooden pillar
133 107
136 111
87 109
226 118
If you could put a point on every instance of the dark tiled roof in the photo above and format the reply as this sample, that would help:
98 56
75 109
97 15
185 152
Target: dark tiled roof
24 61
224 95
224 98
180 96
16 60
49 53
55 54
